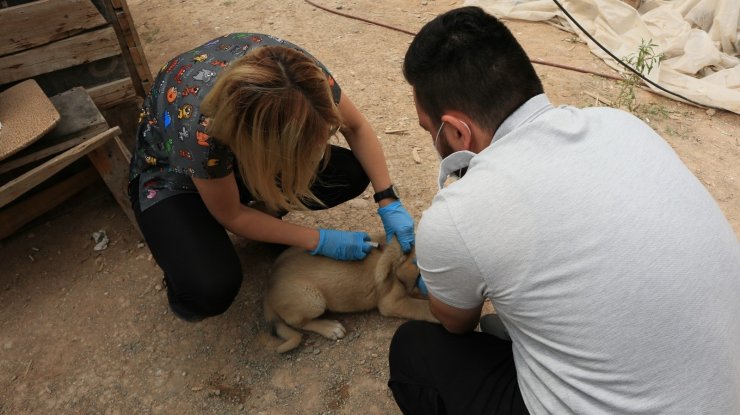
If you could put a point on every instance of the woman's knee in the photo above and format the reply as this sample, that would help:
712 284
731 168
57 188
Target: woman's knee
202 296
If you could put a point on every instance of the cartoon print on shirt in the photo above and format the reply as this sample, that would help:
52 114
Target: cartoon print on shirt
158 91
169 68
185 112
239 51
185 154
151 160
217 62
168 145
167 119
181 72
224 46
204 75
203 120
202 138
190 90
171 94
183 133
144 113
213 42
201 58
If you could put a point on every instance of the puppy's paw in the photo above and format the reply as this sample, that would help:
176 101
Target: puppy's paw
338 331
328 328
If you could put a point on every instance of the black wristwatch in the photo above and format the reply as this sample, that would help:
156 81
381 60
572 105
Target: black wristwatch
390 192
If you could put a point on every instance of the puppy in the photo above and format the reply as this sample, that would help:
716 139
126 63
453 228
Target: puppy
302 287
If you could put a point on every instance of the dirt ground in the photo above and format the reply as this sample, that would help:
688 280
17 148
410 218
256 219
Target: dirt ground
84 331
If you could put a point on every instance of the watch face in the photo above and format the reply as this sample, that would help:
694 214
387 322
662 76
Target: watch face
394 192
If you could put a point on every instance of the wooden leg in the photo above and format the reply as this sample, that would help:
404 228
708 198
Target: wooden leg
112 162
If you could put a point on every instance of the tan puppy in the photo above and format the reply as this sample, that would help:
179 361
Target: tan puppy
302 287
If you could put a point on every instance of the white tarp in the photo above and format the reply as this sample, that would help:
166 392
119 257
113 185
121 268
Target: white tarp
699 38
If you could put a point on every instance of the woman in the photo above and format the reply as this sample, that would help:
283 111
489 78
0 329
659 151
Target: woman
232 136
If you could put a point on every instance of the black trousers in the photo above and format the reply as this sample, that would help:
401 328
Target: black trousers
201 268
435 372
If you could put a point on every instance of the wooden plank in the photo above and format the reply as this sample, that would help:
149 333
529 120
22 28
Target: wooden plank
112 163
131 42
137 56
87 75
15 216
79 113
76 50
34 24
80 120
113 93
41 152
15 163
20 185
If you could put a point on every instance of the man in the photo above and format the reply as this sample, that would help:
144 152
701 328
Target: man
612 269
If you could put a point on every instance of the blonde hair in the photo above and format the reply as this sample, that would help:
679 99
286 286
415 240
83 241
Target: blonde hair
274 109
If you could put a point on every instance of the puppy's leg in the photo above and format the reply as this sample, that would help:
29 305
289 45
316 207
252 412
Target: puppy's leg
404 306
303 314
331 329
292 338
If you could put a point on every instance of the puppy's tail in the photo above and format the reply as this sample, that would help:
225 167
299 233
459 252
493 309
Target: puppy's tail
292 338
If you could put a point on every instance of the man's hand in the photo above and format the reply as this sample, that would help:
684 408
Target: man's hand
397 221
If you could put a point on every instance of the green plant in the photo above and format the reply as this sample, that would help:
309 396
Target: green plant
656 111
643 62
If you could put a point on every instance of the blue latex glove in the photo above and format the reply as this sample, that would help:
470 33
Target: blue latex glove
343 245
420 284
397 221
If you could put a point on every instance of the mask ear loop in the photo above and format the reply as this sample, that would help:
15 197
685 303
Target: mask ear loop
468 127
436 137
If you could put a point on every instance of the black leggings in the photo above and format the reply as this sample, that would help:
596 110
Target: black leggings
435 372
201 268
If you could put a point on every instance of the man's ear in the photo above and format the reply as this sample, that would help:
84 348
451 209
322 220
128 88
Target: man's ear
458 133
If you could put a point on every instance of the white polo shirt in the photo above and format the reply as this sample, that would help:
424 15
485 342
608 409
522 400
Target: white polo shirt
611 266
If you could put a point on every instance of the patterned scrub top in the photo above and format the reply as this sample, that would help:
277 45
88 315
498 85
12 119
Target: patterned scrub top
172 145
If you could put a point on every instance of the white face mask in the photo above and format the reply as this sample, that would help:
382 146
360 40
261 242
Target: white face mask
453 163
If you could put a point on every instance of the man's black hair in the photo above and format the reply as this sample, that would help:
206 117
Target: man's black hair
467 60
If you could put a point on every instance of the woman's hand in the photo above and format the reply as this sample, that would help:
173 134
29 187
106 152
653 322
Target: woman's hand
343 245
